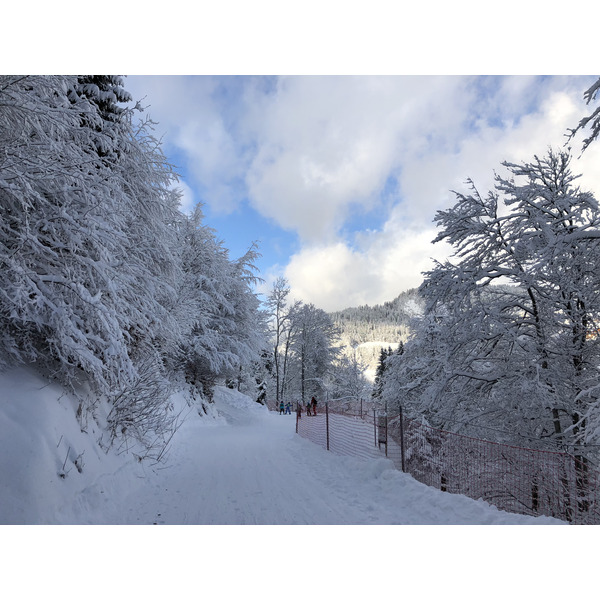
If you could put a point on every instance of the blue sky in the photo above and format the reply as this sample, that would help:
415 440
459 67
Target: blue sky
339 177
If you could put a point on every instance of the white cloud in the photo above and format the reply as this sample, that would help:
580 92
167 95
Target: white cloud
187 199
192 123
327 145
376 267
310 152
336 276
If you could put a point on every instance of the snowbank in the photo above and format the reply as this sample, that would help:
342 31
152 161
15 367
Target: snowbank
237 464
45 457
52 470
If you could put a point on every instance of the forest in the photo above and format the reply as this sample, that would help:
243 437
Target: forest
108 288
387 322
111 290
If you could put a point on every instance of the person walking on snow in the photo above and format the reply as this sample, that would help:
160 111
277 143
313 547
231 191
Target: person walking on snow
308 409
281 407
288 408
314 406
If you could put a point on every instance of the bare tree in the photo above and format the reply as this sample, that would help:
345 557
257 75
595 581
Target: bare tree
281 330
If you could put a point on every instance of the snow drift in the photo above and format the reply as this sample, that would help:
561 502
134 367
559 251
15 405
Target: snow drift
239 464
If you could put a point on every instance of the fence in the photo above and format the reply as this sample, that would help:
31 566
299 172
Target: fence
515 479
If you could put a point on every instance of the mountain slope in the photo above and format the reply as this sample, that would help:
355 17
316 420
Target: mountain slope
371 328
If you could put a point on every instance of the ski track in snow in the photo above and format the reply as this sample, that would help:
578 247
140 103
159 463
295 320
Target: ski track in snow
252 468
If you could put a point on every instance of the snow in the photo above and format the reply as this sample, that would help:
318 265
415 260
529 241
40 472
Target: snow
241 465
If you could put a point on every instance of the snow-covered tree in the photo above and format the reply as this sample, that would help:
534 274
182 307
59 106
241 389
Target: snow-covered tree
314 349
592 120
221 326
281 330
86 235
509 340
105 281
264 376
303 339
350 386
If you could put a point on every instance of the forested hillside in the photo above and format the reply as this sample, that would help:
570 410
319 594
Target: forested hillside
368 329
106 286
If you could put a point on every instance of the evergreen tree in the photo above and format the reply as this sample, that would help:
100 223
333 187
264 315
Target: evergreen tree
384 354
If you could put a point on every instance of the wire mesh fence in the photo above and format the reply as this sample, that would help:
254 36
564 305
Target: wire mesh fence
520 480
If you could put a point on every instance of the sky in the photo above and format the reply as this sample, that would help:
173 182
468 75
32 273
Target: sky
284 160
328 131
338 177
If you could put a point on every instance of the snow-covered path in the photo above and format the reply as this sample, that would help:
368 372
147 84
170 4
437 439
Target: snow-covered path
251 468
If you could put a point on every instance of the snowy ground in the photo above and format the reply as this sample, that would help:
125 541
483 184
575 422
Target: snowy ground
246 466
251 468
242 466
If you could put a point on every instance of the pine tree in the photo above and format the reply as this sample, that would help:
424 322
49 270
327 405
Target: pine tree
384 354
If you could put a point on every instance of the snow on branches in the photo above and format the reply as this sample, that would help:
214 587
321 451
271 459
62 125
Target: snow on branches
510 339
98 263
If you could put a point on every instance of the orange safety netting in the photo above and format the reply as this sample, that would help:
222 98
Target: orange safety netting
520 480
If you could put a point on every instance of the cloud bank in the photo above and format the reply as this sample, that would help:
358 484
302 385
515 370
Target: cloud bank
356 167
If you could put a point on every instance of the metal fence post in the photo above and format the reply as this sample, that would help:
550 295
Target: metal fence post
386 433
402 440
375 427
327 422
297 415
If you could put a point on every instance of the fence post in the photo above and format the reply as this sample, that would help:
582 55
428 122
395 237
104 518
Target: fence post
327 422
402 440
375 427
386 433
297 414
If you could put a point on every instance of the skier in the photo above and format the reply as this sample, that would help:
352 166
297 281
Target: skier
308 409
314 406
281 407
288 408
